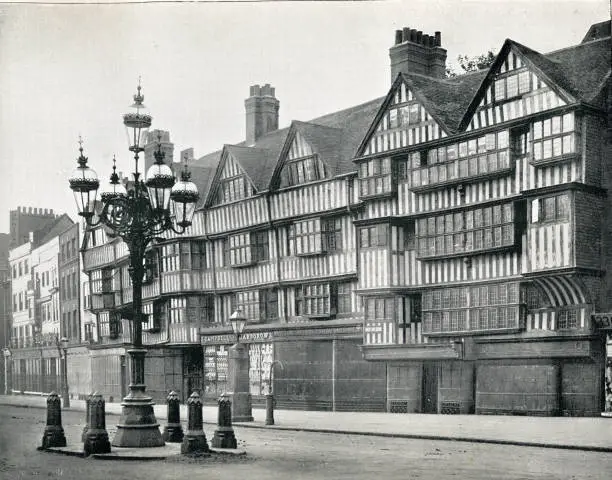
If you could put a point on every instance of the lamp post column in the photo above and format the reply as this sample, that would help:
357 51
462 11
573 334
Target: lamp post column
239 386
65 395
137 426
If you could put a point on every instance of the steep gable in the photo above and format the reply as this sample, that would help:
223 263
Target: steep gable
311 152
231 181
520 82
403 120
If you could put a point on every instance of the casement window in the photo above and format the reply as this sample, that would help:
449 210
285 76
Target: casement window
511 86
376 178
483 307
332 234
374 236
467 231
302 170
315 236
555 137
552 209
232 189
156 314
257 305
107 280
189 255
20 269
268 304
114 325
305 237
323 299
379 309
567 318
199 309
89 332
246 248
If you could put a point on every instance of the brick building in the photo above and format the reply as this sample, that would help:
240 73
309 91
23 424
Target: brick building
440 249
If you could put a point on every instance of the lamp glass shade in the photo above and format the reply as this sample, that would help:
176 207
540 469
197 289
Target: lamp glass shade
84 184
110 190
238 321
159 182
137 124
184 196
64 343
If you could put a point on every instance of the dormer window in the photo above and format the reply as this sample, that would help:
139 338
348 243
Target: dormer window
232 189
302 170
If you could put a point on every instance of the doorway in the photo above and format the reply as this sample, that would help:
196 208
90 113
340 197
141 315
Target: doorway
431 373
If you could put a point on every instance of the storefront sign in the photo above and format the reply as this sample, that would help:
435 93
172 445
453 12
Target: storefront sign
603 321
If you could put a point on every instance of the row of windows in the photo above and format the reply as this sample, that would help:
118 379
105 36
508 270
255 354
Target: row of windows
315 236
490 318
323 299
512 85
184 256
476 296
20 269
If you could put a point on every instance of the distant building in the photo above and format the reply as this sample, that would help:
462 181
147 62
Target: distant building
35 318
26 220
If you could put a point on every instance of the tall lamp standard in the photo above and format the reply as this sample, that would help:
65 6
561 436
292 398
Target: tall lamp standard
239 372
139 215
62 346
7 371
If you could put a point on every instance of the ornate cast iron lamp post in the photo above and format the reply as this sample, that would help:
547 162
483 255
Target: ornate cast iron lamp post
137 215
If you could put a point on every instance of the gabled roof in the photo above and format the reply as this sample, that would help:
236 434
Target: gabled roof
598 30
253 161
576 73
446 99
59 225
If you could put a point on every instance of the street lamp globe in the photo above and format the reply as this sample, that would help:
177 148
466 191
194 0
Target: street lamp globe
84 184
238 321
159 181
114 188
64 343
137 124
184 197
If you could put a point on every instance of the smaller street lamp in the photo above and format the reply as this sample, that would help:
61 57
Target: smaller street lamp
239 372
238 321
7 370
62 345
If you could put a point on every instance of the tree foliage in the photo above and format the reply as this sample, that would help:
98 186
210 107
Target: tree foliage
472 64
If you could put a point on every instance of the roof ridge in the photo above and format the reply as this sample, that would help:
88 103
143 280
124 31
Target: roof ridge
571 47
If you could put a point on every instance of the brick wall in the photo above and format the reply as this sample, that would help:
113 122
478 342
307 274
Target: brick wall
588 230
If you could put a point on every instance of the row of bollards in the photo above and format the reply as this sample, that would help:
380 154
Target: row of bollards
95 436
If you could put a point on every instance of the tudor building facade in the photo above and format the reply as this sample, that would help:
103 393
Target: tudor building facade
441 249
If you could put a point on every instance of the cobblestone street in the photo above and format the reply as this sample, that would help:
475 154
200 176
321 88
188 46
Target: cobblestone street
274 454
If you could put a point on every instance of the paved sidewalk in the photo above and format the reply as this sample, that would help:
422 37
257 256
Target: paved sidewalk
581 433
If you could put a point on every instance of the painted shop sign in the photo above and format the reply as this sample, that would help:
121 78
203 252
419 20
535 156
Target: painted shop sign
602 320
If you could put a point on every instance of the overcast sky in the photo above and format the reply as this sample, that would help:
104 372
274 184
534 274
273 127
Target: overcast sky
67 70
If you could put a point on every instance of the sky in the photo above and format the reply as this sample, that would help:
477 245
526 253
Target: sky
71 69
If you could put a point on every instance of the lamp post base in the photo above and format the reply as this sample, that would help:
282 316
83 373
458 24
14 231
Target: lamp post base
241 407
137 426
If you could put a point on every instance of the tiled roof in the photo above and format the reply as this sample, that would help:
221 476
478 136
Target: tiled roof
446 99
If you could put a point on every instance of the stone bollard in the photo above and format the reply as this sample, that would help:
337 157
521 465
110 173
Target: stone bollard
87 410
195 439
173 431
270 409
54 432
224 434
96 439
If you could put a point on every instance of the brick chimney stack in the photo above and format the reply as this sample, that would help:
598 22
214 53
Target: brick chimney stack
415 52
261 112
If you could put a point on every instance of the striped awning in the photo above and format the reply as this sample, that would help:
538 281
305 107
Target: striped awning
562 290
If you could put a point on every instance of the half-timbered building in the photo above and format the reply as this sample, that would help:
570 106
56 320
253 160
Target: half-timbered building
439 249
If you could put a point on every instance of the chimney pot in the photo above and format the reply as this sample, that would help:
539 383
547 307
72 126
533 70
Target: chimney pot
413 35
419 36
406 34
398 37
426 40
438 39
